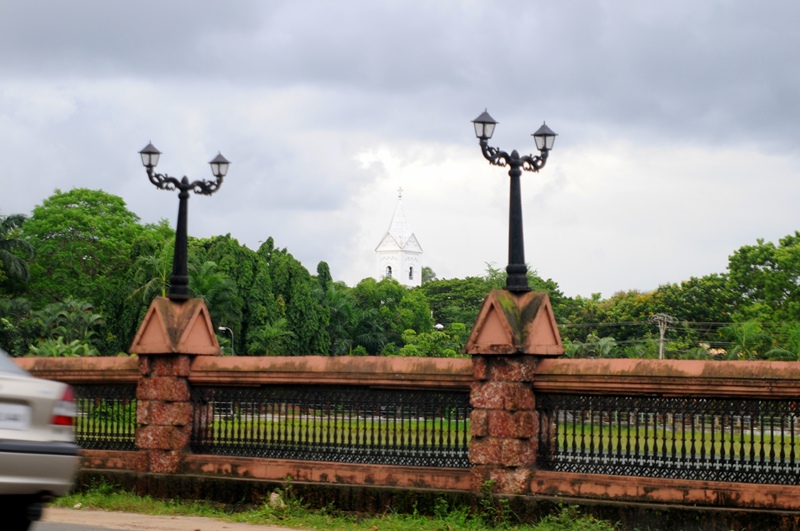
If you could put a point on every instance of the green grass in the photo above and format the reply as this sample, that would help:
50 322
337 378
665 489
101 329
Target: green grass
678 442
293 513
341 432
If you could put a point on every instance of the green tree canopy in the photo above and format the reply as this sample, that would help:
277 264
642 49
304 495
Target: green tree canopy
765 278
83 240
13 251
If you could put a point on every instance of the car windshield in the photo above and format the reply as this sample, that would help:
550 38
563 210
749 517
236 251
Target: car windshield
7 365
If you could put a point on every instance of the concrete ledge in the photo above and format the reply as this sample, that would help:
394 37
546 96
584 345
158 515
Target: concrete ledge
746 379
134 461
111 369
410 373
329 473
667 491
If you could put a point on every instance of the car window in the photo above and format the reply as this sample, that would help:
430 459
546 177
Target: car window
7 364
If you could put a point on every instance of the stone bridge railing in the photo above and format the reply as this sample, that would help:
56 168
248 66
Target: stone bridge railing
699 433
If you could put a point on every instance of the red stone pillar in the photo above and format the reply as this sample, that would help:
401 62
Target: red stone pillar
163 410
170 336
512 331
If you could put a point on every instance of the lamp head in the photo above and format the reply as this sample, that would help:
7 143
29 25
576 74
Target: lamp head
484 126
219 166
544 138
150 156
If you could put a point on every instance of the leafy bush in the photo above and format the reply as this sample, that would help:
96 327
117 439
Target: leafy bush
58 348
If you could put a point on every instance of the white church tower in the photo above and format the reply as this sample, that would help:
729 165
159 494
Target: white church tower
399 252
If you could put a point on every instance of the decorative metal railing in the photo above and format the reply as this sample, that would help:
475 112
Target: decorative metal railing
333 423
712 439
106 416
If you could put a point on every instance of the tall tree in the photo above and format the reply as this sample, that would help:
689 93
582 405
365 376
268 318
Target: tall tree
397 309
83 240
766 280
217 290
13 250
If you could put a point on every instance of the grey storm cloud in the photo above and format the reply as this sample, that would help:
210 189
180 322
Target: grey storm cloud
325 108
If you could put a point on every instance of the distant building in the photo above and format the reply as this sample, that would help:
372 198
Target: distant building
399 252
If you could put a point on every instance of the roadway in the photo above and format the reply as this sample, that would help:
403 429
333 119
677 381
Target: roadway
57 519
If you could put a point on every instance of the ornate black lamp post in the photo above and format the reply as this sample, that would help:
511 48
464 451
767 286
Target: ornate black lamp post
179 280
516 278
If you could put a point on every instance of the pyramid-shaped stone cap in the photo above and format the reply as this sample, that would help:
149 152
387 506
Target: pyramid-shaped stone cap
176 328
516 323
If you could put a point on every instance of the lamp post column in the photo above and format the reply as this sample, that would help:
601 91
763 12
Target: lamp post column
516 277
166 343
179 280
514 328
516 271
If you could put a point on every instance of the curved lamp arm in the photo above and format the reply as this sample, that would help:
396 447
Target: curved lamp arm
166 182
498 157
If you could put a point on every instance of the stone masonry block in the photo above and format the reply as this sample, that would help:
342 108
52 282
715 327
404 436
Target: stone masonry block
486 451
144 365
519 425
479 423
500 423
511 396
480 367
170 414
162 437
478 476
486 395
140 461
512 369
143 411
164 461
511 481
518 452
517 396
163 388
177 365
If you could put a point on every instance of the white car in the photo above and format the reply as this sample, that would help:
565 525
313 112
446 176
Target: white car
38 454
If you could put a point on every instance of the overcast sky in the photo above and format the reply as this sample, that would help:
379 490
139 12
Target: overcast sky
678 125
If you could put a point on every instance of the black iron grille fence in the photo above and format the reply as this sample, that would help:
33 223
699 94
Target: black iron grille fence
106 416
712 439
333 423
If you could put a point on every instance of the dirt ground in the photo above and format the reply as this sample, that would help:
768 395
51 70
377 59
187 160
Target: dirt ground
143 522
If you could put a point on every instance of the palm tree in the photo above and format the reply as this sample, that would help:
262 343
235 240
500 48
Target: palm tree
152 273
14 266
351 326
790 349
14 314
218 291
272 338
748 338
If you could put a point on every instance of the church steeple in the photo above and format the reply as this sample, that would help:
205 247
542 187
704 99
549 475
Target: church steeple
399 251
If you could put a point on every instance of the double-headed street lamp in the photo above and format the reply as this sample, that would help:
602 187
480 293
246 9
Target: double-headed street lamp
179 280
516 272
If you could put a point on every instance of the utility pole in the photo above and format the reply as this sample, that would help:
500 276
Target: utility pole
662 320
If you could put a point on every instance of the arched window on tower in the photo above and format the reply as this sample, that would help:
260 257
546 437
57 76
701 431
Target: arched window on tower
410 273
389 271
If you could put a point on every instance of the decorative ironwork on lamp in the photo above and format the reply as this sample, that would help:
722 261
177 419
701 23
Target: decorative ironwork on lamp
516 271
179 280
